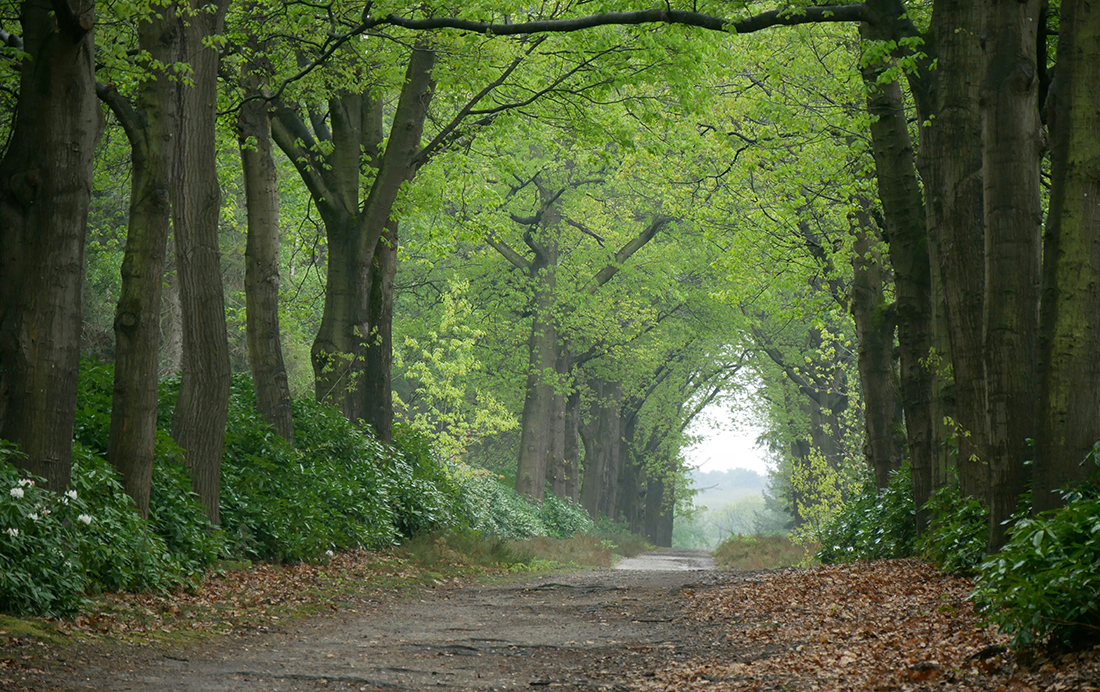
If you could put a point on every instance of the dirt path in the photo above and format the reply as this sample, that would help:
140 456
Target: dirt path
590 630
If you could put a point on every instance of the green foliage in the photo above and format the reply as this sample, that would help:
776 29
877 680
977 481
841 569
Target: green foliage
873 524
821 493
286 504
40 572
563 518
439 366
1044 585
957 532
117 548
425 497
487 505
175 513
56 547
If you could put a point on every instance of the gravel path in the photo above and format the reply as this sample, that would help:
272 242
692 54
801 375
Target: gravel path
600 629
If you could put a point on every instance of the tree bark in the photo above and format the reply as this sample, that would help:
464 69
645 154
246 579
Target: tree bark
874 320
542 348
907 238
261 278
151 124
951 163
602 437
1069 416
45 190
379 347
345 374
198 424
1011 146
562 468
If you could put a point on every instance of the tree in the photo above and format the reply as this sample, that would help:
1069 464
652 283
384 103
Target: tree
45 186
265 351
198 423
1069 426
151 121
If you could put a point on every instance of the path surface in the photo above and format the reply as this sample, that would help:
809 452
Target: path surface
589 630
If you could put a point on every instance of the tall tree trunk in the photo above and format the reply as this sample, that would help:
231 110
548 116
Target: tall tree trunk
261 277
346 375
151 124
1069 415
45 190
198 424
1011 148
874 320
904 211
561 467
171 320
944 435
572 489
602 437
538 403
951 163
378 410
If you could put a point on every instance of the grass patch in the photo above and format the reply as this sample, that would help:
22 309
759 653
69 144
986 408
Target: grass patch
12 627
759 552
454 553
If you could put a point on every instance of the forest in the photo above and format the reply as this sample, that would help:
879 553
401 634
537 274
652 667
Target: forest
280 278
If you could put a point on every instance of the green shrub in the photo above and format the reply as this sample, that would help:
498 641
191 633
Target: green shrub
286 504
1044 585
485 504
425 497
957 531
40 572
56 547
873 524
175 513
118 549
564 518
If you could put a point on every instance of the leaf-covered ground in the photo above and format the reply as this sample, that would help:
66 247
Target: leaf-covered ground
377 622
885 625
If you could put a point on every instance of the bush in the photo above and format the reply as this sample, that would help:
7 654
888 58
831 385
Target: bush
39 570
56 547
426 497
873 525
1044 585
285 504
118 549
485 504
564 518
957 531
175 513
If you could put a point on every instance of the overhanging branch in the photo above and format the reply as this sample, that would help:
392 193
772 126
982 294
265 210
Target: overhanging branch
783 17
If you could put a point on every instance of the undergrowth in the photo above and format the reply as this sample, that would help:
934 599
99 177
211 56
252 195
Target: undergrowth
758 552
338 488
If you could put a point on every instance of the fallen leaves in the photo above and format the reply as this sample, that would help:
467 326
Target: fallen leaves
886 625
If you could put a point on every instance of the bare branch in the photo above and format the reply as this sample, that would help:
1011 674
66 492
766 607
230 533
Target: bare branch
783 17
627 250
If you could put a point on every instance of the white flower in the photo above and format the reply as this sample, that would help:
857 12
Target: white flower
84 519
33 516
13 532
329 553
17 493
71 494
24 482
